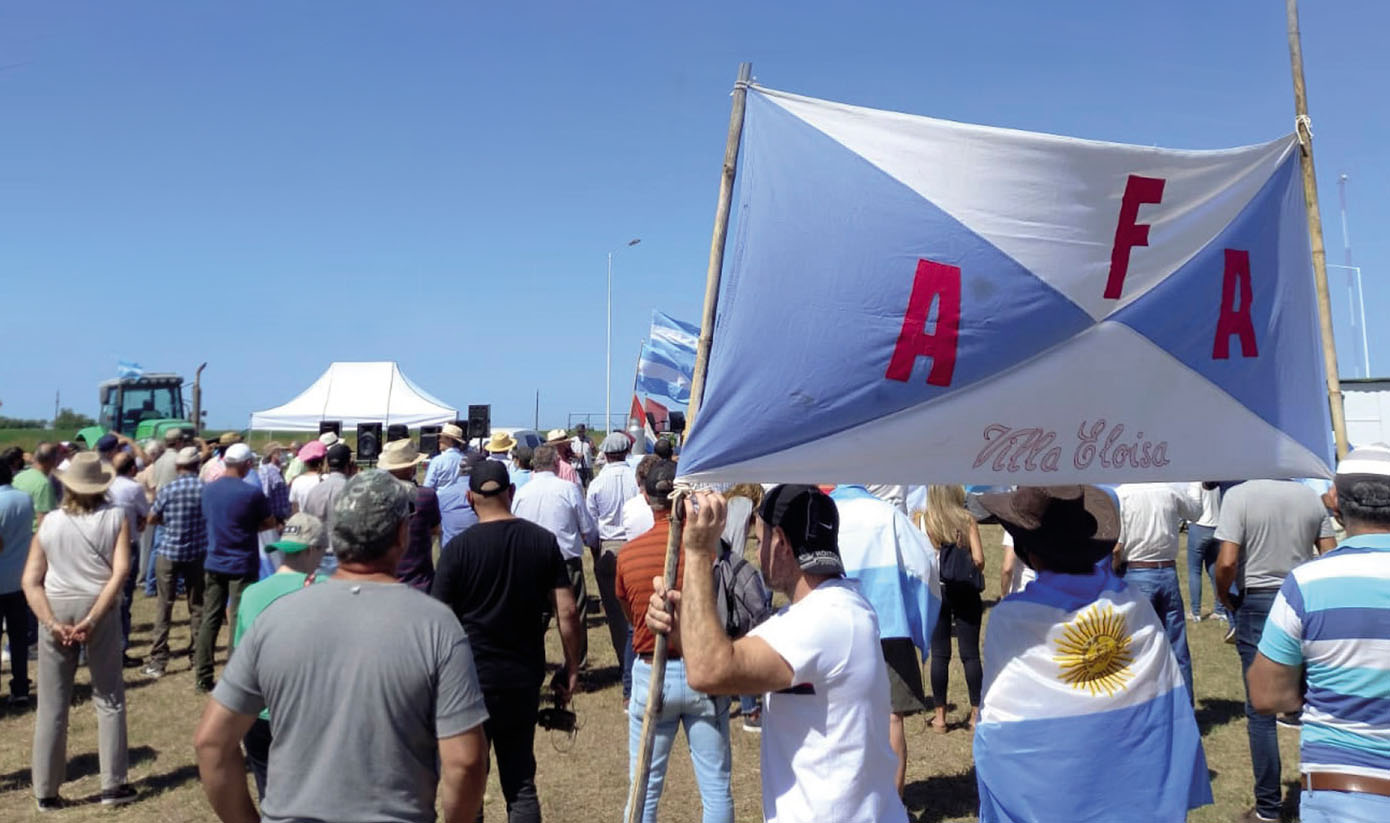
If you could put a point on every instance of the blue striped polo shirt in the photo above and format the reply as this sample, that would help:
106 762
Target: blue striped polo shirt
1333 614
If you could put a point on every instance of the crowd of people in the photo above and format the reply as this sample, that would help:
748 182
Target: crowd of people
346 636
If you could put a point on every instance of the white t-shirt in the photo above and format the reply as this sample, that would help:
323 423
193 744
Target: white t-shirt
825 752
300 488
1022 573
637 517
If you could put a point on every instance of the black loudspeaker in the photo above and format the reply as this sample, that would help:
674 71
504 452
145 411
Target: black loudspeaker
676 422
368 442
335 426
397 431
479 422
429 440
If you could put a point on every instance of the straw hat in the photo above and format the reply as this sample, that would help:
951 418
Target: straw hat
400 454
87 475
500 442
557 436
451 431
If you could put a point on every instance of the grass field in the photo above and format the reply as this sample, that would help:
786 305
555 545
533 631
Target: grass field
587 780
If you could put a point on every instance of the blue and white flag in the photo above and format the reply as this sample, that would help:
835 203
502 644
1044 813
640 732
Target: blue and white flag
1007 308
676 339
125 368
1084 715
660 376
894 563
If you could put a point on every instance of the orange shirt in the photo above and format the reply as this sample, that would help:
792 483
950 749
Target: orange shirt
640 560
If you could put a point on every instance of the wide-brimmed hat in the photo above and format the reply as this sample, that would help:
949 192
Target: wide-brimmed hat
452 432
173 435
500 442
87 475
272 447
1074 524
228 438
399 454
329 438
557 436
188 456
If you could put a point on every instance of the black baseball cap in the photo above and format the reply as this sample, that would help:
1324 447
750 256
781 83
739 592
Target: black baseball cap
812 524
489 478
661 480
339 455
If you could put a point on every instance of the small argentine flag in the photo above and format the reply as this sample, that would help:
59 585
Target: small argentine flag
1085 716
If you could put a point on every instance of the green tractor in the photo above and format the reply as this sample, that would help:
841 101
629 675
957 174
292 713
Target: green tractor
142 407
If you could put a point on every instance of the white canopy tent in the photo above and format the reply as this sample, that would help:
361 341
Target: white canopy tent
357 393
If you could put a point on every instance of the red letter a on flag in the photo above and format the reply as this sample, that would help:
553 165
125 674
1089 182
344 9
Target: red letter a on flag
1235 319
934 282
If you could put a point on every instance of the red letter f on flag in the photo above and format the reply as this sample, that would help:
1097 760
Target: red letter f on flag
934 282
1129 233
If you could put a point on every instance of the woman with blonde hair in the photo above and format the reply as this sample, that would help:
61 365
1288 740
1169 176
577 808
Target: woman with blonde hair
956 536
78 562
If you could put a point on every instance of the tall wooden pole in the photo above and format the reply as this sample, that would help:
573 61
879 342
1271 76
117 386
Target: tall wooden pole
1310 196
637 792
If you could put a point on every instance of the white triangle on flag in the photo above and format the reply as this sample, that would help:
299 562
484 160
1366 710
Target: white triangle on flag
1053 203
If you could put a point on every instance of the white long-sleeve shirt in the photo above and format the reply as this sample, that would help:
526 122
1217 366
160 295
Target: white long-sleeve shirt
1151 514
616 484
558 506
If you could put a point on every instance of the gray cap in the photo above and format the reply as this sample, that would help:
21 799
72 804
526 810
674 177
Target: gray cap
615 443
370 508
302 531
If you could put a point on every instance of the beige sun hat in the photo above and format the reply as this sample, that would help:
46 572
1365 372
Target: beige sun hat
557 436
450 430
400 454
500 442
87 475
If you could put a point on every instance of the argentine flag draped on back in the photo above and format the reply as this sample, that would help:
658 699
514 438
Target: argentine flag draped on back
1085 716
894 563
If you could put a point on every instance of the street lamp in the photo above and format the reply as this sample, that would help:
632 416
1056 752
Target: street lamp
608 343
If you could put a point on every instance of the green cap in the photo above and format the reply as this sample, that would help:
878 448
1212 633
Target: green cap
302 531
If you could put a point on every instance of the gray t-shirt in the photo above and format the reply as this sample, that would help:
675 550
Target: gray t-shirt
362 680
1276 523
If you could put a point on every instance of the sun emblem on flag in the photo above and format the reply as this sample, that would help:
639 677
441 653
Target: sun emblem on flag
1094 652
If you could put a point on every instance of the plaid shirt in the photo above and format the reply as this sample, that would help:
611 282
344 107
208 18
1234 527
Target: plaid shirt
185 531
277 491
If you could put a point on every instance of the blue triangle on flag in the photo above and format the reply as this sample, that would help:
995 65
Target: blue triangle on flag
1181 314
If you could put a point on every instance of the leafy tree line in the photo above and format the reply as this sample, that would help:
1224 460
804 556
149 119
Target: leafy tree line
66 419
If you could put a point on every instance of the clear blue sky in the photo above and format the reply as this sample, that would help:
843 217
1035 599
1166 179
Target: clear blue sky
270 186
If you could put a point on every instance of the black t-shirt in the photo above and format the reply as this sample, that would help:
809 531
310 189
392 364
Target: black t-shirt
498 577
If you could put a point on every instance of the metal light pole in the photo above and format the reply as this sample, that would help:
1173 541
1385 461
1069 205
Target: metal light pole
1358 308
608 343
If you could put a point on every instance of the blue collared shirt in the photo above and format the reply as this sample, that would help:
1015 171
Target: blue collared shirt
444 468
455 514
16 530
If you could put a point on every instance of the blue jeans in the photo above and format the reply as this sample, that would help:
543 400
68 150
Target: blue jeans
628 656
1160 586
1251 612
148 577
706 722
1201 556
1343 807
